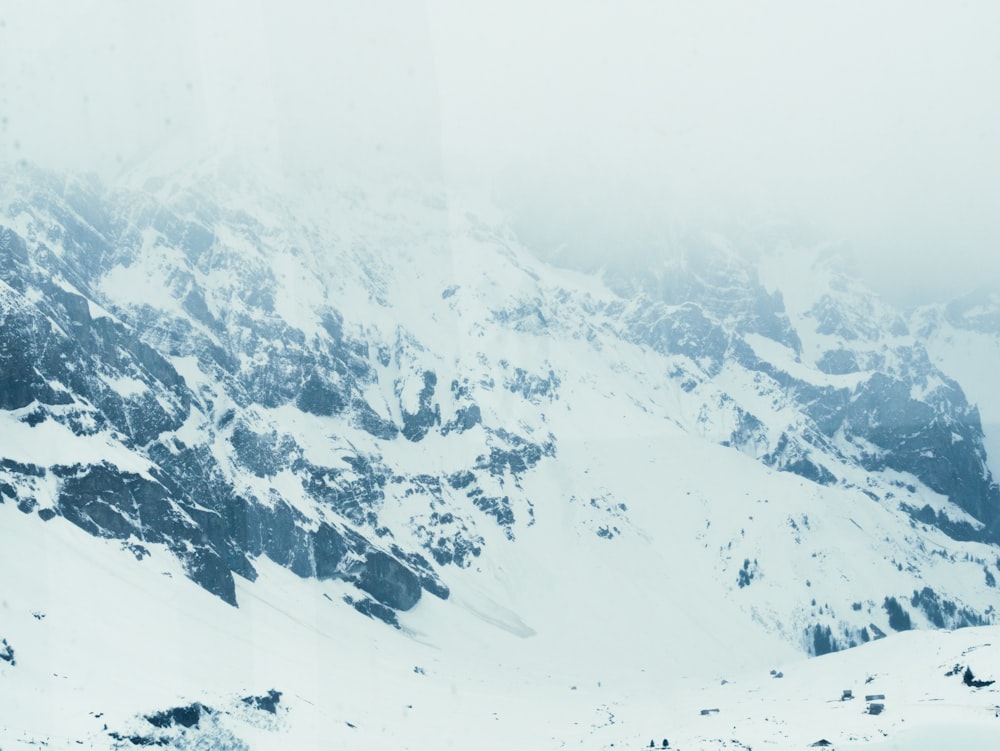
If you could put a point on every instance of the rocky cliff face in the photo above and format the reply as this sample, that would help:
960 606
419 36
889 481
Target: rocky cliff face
361 392
863 394
68 361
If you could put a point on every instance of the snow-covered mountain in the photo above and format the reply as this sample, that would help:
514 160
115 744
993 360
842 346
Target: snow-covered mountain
238 420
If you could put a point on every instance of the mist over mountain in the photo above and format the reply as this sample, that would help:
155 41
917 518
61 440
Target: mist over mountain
870 126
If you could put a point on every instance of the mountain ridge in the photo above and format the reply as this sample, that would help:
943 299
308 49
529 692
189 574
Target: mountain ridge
227 340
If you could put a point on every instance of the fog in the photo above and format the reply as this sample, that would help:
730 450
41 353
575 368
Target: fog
600 126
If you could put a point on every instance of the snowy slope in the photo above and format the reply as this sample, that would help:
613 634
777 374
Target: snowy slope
237 423
86 668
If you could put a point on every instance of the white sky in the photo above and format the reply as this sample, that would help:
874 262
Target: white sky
877 123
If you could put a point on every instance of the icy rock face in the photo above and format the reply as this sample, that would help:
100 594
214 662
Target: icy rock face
903 415
724 287
231 381
938 439
93 375
899 412
416 424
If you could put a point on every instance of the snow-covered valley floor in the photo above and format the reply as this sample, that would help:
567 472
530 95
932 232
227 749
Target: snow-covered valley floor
101 642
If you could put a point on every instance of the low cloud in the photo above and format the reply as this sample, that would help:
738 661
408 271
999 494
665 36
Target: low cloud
598 125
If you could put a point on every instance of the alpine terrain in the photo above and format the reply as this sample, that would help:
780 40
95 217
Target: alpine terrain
346 468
